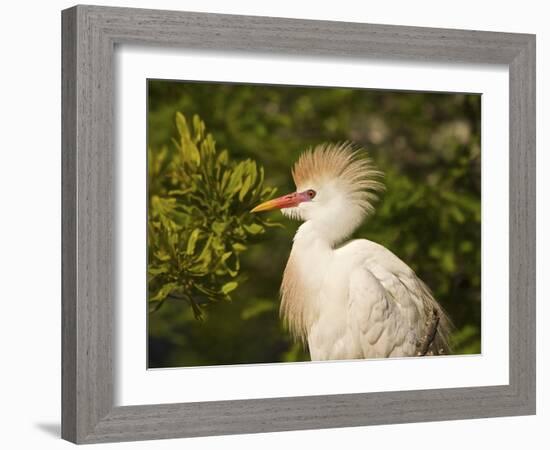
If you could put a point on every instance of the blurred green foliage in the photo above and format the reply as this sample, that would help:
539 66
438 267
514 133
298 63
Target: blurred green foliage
428 145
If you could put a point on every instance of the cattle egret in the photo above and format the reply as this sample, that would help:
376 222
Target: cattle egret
355 299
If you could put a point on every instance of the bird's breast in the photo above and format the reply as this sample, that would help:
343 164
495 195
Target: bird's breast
302 283
314 292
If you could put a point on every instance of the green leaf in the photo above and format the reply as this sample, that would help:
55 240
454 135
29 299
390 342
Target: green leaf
182 127
235 180
206 251
187 147
225 256
162 255
198 125
218 227
223 158
193 153
158 270
245 188
192 241
238 247
163 292
254 228
228 287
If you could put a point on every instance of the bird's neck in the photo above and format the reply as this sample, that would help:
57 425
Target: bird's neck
312 251
315 237
310 233
310 257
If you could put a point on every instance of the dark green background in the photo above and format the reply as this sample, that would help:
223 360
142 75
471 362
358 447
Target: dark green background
427 144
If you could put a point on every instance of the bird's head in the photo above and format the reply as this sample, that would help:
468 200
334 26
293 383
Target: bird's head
336 185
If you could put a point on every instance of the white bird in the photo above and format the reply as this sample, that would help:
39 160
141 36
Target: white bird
355 299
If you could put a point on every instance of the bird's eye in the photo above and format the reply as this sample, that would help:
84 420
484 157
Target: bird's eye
311 193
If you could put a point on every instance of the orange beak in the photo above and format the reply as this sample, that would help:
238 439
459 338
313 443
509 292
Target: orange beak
286 201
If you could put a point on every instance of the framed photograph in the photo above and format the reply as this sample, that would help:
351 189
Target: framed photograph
277 224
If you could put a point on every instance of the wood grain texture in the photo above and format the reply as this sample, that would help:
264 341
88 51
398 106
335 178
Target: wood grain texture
68 225
523 224
88 305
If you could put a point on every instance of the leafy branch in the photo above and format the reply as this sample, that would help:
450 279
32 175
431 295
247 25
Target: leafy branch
198 218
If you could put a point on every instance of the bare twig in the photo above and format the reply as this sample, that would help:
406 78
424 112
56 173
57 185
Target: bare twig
425 344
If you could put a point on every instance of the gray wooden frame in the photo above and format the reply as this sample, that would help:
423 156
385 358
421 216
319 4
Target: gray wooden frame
90 34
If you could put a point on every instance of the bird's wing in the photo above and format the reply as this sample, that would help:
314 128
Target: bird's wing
388 305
